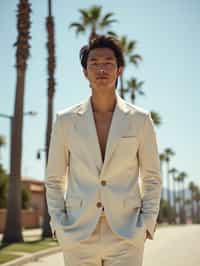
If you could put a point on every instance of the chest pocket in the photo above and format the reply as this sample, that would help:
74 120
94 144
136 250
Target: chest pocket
128 144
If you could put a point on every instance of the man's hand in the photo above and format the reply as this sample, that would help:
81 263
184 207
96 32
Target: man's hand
54 234
148 235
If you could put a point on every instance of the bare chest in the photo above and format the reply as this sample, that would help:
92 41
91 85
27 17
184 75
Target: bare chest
102 123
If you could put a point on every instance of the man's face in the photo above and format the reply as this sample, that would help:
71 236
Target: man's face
102 70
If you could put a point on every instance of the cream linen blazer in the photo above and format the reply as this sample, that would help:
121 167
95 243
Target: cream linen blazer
128 182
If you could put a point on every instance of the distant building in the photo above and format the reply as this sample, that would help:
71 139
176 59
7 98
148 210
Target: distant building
33 216
36 189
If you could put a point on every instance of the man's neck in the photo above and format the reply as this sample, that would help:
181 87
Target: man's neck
103 103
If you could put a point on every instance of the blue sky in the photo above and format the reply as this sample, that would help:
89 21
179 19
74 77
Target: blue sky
167 34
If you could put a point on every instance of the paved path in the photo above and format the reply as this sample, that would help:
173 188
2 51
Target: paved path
29 234
173 246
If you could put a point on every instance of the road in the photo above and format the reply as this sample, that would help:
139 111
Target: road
172 246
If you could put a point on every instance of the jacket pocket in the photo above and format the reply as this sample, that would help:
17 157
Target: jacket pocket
132 202
128 137
74 202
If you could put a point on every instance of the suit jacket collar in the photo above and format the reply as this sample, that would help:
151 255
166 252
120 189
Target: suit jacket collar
85 125
86 105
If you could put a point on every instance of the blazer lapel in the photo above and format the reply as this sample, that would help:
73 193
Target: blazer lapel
85 127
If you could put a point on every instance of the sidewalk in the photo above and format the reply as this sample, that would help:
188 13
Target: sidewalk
33 249
31 258
29 234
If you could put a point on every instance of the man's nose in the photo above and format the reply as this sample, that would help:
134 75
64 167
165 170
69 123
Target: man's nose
101 70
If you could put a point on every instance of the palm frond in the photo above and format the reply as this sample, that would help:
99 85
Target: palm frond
78 27
156 118
112 33
169 152
135 58
107 16
130 46
107 23
95 13
123 42
85 16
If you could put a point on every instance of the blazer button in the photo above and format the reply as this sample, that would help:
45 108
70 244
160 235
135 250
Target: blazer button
98 204
103 182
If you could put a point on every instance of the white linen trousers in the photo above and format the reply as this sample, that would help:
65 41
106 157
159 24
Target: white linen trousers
104 248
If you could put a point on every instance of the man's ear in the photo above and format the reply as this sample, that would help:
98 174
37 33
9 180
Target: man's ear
85 73
120 71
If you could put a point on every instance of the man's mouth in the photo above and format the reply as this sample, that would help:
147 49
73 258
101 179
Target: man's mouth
102 77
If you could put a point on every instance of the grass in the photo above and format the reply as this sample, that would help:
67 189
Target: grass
13 251
6 257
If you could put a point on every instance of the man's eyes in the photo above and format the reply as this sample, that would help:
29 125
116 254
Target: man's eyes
97 64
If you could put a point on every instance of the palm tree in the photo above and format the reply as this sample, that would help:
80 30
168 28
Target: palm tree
133 86
162 202
162 159
197 199
183 176
168 153
192 188
92 19
179 196
176 194
173 171
12 231
50 92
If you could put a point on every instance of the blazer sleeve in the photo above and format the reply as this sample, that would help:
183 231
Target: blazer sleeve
56 174
149 169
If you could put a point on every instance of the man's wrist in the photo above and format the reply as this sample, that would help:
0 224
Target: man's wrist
54 234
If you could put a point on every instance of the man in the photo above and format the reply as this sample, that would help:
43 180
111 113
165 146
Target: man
99 150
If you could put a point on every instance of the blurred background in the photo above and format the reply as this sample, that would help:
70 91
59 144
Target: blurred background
40 74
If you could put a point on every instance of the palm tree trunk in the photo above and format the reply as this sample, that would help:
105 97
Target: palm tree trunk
12 231
198 212
46 232
93 34
174 197
161 172
177 200
180 202
183 195
192 207
168 185
168 192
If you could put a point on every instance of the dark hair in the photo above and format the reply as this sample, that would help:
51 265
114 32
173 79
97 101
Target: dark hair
103 41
